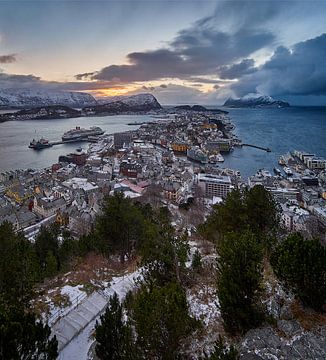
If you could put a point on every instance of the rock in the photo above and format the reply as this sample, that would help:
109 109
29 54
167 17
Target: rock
290 328
266 343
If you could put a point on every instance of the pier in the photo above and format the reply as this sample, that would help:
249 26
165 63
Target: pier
72 141
258 147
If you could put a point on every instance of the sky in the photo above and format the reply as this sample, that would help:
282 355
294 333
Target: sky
184 51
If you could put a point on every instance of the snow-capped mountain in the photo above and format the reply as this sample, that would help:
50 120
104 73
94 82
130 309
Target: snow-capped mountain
125 104
27 98
255 100
133 100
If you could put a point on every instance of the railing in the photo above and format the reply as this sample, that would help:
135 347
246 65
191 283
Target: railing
65 311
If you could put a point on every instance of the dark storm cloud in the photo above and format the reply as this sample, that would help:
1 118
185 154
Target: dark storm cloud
15 81
7 59
235 71
300 70
198 50
10 80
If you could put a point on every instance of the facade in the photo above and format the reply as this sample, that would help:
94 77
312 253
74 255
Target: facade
130 169
222 145
214 185
46 207
121 140
315 163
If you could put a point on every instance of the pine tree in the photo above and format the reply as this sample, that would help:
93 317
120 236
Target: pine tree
121 226
301 265
22 336
161 319
113 335
239 281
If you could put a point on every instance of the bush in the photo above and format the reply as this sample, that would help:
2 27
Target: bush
301 265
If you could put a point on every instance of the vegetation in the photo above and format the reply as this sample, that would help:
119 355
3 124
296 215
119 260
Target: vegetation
121 227
253 209
161 320
222 352
153 321
22 336
114 340
239 281
301 265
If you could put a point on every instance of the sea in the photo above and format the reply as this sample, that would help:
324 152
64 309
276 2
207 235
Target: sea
282 130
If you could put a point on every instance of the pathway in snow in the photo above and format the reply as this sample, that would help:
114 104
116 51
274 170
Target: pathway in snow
74 331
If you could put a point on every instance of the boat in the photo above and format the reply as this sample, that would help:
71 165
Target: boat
39 144
198 155
277 171
213 159
219 158
80 133
288 171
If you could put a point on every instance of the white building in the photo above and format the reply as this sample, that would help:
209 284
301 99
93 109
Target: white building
214 185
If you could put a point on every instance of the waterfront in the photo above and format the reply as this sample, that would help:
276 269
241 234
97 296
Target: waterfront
282 130
15 137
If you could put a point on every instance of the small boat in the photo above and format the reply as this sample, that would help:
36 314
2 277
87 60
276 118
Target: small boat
39 144
288 171
277 171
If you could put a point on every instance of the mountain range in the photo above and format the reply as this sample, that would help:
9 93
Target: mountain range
255 100
27 98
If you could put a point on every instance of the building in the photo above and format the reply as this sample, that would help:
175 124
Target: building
214 185
222 145
121 140
46 207
315 163
130 168
172 191
180 147
79 157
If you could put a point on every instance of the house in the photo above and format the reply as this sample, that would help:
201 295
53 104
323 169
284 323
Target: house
46 207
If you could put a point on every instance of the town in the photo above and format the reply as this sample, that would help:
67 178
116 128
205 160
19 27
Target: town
173 161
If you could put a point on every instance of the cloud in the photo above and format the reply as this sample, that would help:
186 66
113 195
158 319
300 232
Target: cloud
15 81
7 59
148 88
300 70
199 50
235 71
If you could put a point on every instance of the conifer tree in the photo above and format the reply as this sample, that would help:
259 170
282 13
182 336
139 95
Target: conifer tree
301 265
114 335
239 281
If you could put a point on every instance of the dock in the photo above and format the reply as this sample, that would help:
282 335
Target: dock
267 149
70 141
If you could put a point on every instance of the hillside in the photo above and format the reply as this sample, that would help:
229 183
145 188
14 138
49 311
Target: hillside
125 104
27 98
255 100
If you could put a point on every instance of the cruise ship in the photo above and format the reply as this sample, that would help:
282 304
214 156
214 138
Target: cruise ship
196 154
80 133
39 144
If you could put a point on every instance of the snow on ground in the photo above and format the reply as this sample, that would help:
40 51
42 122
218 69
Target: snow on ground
203 305
79 347
71 296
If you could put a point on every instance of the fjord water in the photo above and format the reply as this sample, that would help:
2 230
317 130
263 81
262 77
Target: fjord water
282 130
15 137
